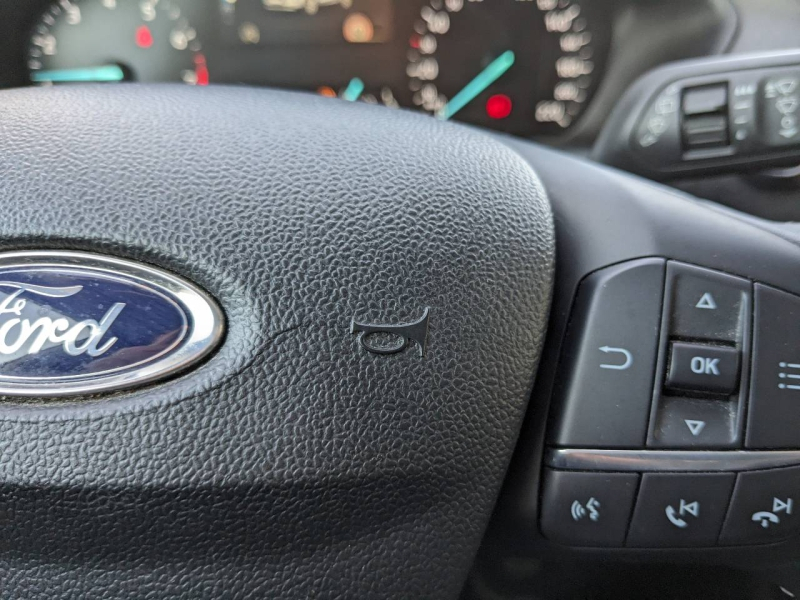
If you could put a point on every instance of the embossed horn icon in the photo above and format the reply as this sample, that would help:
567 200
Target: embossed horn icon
416 331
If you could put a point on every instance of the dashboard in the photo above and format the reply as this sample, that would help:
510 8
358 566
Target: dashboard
527 67
548 70
531 68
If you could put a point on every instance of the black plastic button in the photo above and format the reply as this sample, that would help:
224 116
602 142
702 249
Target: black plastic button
587 509
608 365
658 135
706 131
781 109
703 368
706 99
686 423
680 510
764 507
774 411
707 305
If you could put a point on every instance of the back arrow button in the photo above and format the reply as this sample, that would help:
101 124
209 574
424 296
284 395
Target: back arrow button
623 353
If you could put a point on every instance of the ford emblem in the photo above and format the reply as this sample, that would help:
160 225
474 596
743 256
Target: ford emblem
77 323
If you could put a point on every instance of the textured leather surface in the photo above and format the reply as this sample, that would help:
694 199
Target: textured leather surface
293 464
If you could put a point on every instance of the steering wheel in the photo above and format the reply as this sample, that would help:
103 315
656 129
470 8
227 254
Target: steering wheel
387 283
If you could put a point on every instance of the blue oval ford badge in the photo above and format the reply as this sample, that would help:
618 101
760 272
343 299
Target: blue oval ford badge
77 323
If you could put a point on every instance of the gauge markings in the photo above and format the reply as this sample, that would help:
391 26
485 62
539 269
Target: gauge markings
354 90
88 74
81 41
496 69
555 45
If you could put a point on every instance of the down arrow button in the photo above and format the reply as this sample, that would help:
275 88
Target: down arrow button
696 427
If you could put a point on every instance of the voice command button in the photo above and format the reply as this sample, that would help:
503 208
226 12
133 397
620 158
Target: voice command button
587 509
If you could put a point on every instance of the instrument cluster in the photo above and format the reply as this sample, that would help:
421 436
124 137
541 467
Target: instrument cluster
527 67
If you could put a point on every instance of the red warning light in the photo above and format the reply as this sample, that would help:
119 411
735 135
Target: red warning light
499 106
144 39
415 41
200 69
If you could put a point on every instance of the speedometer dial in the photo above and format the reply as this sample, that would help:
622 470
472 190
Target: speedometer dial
117 40
523 66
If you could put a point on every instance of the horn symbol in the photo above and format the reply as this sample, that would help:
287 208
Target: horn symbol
416 332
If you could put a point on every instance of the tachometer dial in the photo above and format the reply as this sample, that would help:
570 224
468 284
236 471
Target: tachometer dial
466 61
117 40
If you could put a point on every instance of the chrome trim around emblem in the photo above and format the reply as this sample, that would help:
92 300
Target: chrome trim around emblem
679 461
204 331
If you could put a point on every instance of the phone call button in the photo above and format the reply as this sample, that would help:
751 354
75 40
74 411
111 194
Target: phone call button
678 510
764 507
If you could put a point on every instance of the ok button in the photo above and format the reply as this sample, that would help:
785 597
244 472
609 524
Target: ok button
703 365
701 368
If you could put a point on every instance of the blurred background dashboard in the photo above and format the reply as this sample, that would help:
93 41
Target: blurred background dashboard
545 69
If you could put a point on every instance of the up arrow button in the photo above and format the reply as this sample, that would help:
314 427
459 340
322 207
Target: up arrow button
707 302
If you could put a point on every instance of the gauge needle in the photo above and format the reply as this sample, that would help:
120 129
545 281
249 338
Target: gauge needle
354 90
488 76
104 73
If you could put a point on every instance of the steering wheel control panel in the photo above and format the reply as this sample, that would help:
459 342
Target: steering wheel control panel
714 114
675 423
